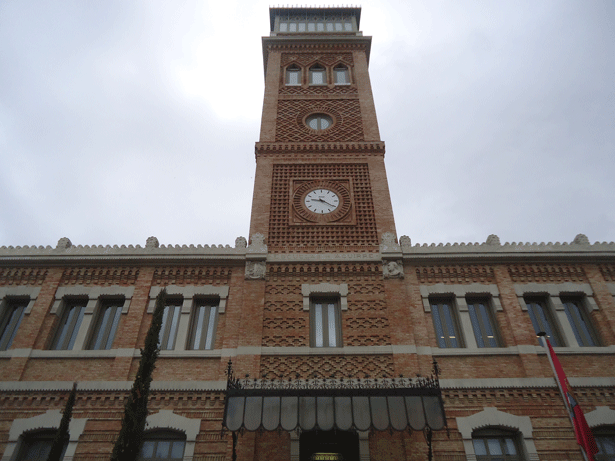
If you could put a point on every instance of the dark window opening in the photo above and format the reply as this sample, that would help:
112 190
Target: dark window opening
329 446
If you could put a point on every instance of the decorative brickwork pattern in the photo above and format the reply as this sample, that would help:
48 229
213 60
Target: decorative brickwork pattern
307 59
283 237
182 276
22 276
286 324
455 274
319 90
526 273
284 367
608 272
346 113
100 276
331 273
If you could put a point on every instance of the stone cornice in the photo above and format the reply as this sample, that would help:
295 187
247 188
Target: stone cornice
492 249
65 251
317 43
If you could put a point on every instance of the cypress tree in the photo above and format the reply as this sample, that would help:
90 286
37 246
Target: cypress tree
130 438
62 435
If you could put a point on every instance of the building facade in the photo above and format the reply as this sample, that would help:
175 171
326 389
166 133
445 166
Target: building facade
324 288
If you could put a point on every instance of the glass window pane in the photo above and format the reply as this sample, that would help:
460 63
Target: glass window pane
338 27
324 123
302 27
177 452
174 324
320 27
450 326
348 26
331 326
113 329
318 325
283 27
579 323
147 451
198 327
9 325
293 27
438 325
510 447
162 449
479 447
209 343
494 446
487 323
329 27
311 27
475 326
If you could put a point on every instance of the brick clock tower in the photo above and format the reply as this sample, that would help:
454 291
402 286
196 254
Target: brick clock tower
320 182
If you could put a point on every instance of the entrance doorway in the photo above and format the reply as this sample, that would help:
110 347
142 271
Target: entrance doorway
329 446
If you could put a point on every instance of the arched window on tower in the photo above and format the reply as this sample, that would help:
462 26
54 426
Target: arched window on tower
342 76
318 75
293 75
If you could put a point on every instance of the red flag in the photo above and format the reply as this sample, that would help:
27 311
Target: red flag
583 433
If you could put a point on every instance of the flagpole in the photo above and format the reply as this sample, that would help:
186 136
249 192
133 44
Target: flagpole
543 342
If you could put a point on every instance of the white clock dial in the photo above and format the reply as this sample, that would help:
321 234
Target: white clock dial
322 201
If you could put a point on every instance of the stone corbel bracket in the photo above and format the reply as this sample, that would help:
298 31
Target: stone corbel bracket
256 257
391 254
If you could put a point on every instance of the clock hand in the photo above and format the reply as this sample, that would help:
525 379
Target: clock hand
324 201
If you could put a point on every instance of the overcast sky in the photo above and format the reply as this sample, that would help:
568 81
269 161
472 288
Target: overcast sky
120 120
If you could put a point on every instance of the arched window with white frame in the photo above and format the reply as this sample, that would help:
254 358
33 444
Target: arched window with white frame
293 75
318 75
495 435
341 75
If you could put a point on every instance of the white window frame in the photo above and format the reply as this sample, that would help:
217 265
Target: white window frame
491 417
323 291
601 416
459 295
97 326
321 69
48 420
189 295
553 292
7 294
334 71
95 296
167 419
293 68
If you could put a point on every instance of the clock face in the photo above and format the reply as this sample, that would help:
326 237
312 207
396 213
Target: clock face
322 201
